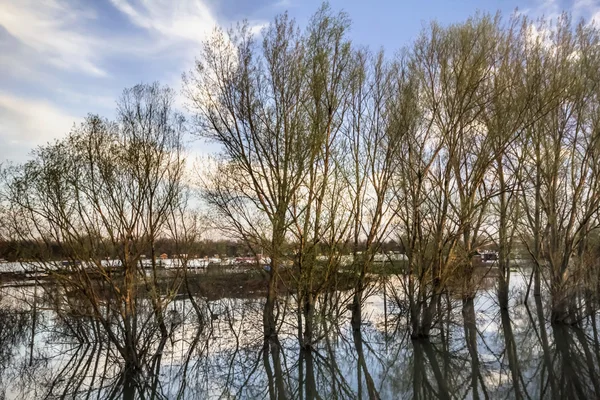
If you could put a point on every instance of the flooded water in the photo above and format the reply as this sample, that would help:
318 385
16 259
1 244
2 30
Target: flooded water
215 349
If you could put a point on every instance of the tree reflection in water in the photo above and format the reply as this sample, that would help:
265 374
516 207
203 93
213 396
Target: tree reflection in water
477 350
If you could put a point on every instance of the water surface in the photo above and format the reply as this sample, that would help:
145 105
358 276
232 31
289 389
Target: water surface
476 350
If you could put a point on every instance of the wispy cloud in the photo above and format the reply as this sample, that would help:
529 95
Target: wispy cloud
62 58
184 19
185 24
549 8
54 30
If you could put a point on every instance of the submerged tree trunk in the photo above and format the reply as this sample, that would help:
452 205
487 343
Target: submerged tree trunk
503 240
310 384
356 318
309 311
269 323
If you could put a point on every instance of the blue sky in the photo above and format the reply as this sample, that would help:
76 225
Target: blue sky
63 59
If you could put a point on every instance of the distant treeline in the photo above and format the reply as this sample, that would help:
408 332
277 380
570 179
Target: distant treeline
13 250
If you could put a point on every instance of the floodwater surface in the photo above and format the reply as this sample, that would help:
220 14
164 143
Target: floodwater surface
215 349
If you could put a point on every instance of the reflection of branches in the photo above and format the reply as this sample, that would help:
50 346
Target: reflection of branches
331 368
579 374
74 357
471 338
12 334
362 366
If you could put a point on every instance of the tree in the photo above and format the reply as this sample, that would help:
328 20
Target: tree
275 110
110 190
441 187
561 187
382 111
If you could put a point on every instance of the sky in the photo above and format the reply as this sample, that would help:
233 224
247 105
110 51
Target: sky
63 59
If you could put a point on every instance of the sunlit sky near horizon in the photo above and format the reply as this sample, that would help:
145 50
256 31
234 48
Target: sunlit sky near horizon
63 59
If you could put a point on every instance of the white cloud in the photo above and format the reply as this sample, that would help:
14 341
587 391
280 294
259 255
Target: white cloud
53 30
283 3
588 10
258 27
25 123
184 19
185 23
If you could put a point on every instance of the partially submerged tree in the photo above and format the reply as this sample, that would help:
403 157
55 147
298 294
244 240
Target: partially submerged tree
249 99
105 194
451 146
318 210
382 111
561 177
441 186
275 109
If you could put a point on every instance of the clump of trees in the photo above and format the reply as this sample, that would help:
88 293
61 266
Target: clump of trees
479 133
483 132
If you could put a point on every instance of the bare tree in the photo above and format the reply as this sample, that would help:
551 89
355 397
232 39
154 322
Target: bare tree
318 208
514 107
